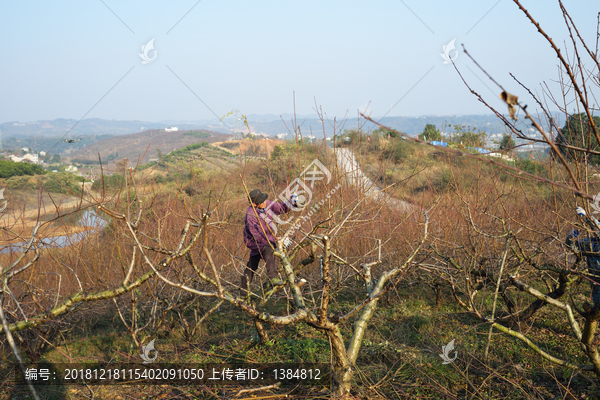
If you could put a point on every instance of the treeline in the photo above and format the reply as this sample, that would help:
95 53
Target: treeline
10 168
198 134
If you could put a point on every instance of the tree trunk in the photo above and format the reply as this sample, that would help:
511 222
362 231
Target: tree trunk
341 370
263 336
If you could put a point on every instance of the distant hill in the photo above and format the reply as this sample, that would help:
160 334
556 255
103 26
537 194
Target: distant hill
90 126
409 125
93 129
134 146
49 144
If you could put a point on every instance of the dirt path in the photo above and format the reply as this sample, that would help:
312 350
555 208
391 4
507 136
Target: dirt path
349 166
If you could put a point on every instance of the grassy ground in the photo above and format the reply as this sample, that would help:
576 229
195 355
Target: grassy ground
399 358
419 170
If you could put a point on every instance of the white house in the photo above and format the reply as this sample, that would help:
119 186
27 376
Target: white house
71 168
25 149
43 153
172 129
502 156
14 158
33 158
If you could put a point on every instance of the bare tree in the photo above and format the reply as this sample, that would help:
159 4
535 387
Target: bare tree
41 284
200 274
502 251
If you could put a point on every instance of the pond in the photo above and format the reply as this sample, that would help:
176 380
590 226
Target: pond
87 218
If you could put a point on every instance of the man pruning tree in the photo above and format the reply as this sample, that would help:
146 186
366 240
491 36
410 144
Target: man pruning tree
259 236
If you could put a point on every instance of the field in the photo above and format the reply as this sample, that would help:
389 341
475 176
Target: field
167 268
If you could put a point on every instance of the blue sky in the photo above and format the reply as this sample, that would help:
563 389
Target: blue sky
60 58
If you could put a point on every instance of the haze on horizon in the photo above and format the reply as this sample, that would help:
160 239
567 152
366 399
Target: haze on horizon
82 58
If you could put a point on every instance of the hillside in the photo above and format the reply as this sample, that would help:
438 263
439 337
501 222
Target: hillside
143 144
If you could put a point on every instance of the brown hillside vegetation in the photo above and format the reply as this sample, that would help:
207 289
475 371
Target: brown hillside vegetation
144 144
250 147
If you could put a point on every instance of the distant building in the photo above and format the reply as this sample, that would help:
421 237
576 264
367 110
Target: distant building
43 153
502 156
71 168
281 136
26 149
14 158
32 158
172 129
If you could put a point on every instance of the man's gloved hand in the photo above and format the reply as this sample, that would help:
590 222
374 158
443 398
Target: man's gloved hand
287 243
580 211
294 200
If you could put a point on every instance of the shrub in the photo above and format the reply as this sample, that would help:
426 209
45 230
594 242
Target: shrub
63 183
113 181
399 150
531 166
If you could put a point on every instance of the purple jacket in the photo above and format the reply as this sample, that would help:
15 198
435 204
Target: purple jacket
253 233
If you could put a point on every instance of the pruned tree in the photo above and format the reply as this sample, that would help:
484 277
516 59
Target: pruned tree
201 274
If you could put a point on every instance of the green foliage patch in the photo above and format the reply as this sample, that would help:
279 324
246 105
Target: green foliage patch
198 134
63 183
579 132
185 150
10 168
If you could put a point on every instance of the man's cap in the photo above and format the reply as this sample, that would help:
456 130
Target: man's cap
257 197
